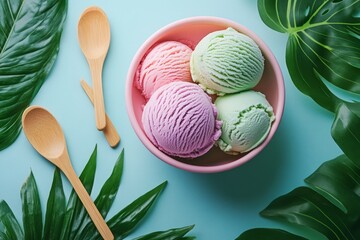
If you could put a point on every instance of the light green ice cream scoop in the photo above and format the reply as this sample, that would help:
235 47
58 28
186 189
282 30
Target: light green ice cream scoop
247 118
226 61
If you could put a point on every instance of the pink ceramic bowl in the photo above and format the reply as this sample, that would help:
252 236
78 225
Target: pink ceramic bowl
193 30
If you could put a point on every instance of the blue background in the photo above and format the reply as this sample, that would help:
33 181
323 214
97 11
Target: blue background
222 205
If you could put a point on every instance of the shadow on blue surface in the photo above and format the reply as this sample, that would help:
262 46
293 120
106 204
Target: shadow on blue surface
252 180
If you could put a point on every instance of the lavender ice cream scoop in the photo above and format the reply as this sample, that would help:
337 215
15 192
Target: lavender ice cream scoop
180 120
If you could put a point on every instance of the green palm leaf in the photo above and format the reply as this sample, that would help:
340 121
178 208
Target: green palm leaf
128 218
171 234
30 34
109 190
74 222
56 207
104 200
10 227
323 44
31 207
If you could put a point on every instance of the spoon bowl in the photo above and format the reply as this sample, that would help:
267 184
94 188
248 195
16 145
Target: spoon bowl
43 132
94 33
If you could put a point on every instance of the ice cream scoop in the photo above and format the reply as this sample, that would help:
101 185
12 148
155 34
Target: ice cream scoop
180 120
165 63
246 117
226 61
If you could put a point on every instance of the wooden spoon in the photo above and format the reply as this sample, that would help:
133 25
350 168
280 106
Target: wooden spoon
94 39
109 131
46 136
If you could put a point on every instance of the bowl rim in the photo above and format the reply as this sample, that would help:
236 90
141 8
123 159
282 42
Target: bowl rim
129 94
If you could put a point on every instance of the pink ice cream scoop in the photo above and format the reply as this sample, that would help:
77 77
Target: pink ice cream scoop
167 62
180 120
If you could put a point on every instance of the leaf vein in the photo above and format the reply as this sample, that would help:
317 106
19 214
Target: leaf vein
321 223
288 13
325 64
278 15
316 12
342 10
12 27
11 13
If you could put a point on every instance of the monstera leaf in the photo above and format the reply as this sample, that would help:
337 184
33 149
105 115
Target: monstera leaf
30 34
68 219
346 131
323 45
330 204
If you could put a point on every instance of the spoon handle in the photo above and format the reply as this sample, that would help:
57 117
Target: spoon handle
109 131
89 205
96 75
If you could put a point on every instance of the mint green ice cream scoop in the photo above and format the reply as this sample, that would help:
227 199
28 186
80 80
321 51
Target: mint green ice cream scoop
246 117
226 61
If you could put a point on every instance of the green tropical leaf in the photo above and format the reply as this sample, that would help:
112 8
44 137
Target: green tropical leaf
76 213
332 205
128 218
323 44
29 42
306 207
171 234
56 207
31 208
338 180
10 227
61 224
110 188
3 236
346 130
268 234
104 200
